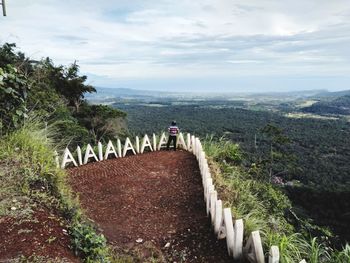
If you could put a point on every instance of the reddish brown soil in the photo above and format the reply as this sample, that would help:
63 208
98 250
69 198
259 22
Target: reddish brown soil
156 197
41 234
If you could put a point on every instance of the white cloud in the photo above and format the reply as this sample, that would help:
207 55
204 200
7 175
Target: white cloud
159 39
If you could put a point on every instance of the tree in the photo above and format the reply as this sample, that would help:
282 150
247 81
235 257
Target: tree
13 93
273 160
73 87
102 121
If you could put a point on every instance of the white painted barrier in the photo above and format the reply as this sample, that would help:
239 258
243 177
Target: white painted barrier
213 199
274 255
229 230
221 218
238 230
253 249
218 217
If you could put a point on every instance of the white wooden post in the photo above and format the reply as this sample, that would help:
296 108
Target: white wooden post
218 217
209 190
213 199
253 250
208 184
193 143
80 156
274 254
206 174
100 151
197 148
202 160
229 230
238 239
222 229
189 147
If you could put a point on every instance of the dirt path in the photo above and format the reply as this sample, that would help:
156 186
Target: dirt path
40 237
156 197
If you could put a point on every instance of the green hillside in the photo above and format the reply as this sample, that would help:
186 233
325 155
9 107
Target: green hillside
338 106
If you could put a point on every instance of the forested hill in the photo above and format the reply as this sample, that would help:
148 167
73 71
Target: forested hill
340 105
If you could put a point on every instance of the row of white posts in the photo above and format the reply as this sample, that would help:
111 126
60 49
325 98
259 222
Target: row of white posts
224 225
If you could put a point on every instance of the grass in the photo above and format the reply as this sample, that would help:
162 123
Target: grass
260 205
263 207
29 177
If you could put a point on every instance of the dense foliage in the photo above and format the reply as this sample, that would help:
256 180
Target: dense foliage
56 95
13 94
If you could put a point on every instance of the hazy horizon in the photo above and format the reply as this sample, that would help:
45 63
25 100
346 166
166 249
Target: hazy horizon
201 46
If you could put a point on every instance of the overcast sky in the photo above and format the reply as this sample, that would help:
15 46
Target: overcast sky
186 45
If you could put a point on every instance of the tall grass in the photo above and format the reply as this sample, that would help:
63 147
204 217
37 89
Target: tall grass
249 199
342 256
31 150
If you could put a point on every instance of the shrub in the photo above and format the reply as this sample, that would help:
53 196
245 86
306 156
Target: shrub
91 246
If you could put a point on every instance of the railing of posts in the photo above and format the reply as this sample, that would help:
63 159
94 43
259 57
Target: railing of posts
224 224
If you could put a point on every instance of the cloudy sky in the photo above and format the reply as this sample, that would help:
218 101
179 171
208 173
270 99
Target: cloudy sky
190 45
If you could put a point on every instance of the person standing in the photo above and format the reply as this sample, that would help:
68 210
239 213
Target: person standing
173 132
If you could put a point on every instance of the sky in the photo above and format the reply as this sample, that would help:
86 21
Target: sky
190 45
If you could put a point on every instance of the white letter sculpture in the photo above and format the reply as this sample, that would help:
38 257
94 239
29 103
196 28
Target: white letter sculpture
89 153
146 143
110 149
128 146
162 141
181 141
67 158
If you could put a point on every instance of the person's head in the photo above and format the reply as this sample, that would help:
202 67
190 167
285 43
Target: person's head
173 123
